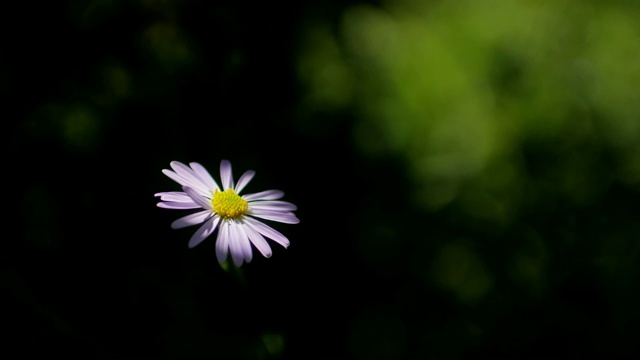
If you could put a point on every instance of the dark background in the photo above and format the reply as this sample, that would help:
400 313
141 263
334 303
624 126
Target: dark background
533 253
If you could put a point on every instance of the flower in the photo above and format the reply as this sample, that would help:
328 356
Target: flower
235 216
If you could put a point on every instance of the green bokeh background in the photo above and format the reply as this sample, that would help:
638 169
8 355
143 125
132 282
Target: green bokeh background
467 175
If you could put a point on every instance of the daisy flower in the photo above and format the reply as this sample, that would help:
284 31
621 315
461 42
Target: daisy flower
236 217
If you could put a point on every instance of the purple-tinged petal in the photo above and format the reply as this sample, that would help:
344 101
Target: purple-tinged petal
267 231
185 171
177 205
264 195
187 182
258 241
204 175
163 193
279 216
192 219
174 196
204 231
245 244
204 203
272 205
225 175
235 245
188 174
244 180
222 243
175 177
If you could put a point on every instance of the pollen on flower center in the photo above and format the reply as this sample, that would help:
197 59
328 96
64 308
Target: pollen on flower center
228 204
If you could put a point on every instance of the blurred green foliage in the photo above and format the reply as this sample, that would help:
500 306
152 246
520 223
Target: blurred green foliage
460 88
519 124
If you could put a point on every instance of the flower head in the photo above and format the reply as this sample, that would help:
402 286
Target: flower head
234 216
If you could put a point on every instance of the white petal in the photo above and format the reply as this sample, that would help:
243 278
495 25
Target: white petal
244 180
163 193
279 216
264 195
186 182
184 171
258 241
222 243
175 177
190 220
203 232
235 245
204 203
177 205
177 196
273 205
204 175
225 175
267 231
187 173
245 244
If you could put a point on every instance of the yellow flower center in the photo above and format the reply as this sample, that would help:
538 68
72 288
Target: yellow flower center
228 204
